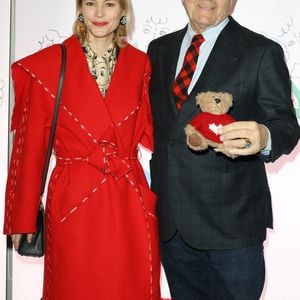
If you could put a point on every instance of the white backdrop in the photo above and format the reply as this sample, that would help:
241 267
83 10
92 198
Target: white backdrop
42 23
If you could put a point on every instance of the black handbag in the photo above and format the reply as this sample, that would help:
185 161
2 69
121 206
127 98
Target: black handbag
37 246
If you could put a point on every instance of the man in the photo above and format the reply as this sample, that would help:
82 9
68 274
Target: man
214 210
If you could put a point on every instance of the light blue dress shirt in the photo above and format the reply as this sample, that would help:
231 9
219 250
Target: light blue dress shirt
210 36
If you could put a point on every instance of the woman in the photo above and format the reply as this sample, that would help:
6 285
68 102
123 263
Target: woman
101 230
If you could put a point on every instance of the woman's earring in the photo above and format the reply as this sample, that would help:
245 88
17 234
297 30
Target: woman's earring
80 18
123 20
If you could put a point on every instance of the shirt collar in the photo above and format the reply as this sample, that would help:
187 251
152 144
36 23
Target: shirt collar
209 34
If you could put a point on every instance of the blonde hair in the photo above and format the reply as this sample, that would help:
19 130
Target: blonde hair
123 31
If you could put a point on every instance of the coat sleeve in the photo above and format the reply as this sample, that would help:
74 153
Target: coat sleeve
147 136
274 97
28 153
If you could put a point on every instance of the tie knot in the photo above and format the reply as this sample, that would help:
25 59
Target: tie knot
198 39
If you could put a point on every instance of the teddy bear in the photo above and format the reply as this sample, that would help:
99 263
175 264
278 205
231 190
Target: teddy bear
203 130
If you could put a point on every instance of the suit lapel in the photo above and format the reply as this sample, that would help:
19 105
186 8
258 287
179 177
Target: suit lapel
169 55
218 67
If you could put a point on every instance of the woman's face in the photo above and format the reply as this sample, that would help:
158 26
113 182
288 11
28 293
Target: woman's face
101 17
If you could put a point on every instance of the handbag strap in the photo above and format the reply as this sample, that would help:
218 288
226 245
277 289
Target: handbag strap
55 116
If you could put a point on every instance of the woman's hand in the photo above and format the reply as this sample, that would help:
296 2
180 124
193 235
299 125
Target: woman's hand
16 239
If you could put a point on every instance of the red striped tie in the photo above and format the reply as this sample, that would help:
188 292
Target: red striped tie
184 78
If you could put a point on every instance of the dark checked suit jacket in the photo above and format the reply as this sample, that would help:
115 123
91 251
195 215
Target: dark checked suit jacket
215 202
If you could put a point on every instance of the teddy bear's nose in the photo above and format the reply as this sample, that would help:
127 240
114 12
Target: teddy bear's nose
217 100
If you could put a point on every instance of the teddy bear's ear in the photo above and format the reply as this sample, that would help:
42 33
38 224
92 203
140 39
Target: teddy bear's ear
199 98
229 99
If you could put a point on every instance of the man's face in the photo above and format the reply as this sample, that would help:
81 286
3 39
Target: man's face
204 14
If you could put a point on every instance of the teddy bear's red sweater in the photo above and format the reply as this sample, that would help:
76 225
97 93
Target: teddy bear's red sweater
209 124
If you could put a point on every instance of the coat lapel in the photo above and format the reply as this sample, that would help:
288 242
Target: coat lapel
83 99
122 95
169 55
218 67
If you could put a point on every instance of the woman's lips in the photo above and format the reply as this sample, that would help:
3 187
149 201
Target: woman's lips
100 23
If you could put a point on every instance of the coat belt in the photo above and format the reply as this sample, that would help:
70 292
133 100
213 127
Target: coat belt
105 157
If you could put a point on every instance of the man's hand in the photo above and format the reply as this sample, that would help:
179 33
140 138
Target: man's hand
244 138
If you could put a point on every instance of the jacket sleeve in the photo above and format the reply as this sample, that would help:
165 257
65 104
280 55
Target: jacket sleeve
28 154
274 97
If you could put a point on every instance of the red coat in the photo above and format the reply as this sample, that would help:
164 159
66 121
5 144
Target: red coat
101 228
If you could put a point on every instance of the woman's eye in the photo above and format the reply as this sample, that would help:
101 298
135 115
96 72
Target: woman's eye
89 3
110 4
